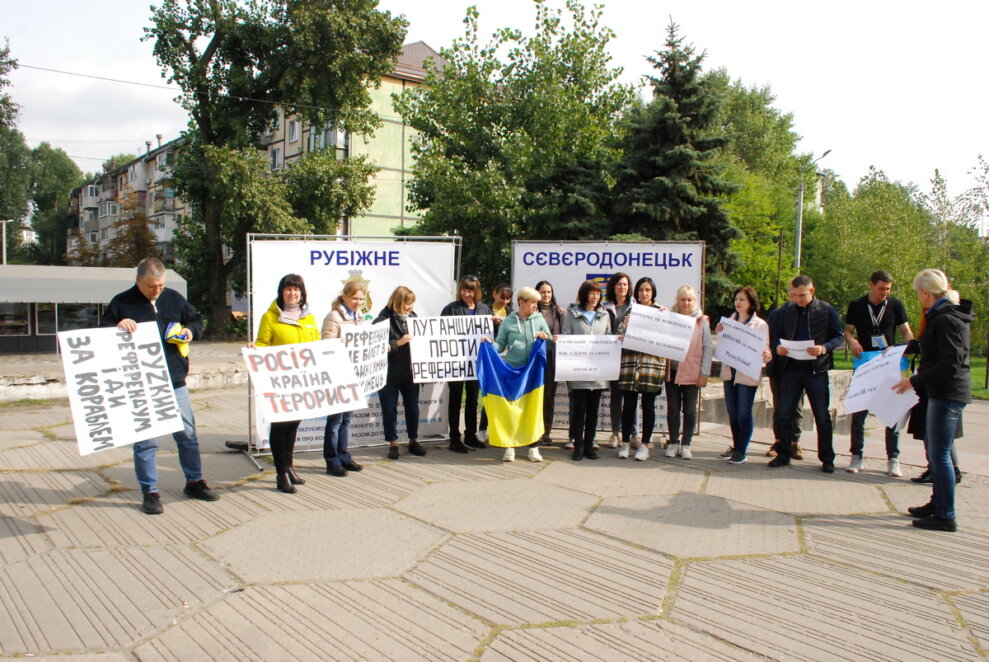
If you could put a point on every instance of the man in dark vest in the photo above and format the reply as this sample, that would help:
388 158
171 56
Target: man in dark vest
813 331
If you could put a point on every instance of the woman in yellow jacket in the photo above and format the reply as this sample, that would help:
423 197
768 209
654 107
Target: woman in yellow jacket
287 321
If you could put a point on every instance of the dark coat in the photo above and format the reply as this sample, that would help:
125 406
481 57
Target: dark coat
944 372
400 357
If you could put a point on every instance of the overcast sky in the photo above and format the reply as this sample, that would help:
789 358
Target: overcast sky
897 85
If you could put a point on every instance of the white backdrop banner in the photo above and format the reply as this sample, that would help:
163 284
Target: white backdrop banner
120 391
444 349
561 412
588 358
426 267
659 332
567 265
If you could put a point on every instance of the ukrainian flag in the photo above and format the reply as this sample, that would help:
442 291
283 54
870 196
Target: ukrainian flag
512 397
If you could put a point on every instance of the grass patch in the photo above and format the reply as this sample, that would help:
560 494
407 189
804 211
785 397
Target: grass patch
28 402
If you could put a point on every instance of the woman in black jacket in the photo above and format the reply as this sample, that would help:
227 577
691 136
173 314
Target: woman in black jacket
468 303
944 375
399 380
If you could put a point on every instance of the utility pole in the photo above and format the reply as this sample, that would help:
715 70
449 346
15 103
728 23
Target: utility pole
5 238
800 216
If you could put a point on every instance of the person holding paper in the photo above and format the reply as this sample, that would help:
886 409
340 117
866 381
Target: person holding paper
150 301
740 389
468 302
586 317
619 301
870 327
287 321
641 375
944 374
516 336
554 316
685 379
336 438
805 319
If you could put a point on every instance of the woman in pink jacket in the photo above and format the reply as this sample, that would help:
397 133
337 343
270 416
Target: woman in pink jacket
685 379
740 389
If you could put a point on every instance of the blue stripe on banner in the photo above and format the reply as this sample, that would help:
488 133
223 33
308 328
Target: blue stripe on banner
496 377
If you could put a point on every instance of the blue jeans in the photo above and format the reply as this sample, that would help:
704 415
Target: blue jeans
185 439
858 437
336 439
388 396
942 420
739 399
793 383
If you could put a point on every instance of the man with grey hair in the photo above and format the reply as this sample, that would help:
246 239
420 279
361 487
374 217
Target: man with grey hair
150 301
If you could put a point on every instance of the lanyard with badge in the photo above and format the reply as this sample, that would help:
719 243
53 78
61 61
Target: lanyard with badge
878 338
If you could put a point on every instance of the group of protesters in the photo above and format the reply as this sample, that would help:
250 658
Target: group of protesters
941 380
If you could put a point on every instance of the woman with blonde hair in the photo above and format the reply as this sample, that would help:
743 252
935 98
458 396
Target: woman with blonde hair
685 379
346 310
399 380
944 374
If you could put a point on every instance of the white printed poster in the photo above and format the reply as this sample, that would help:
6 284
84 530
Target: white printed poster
872 388
120 390
444 349
367 346
587 358
300 381
659 332
566 265
741 347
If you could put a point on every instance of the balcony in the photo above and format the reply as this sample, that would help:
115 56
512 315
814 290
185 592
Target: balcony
164 205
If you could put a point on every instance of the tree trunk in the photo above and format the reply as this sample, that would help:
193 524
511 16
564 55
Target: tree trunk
216 287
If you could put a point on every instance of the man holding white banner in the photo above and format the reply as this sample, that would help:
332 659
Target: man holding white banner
178 324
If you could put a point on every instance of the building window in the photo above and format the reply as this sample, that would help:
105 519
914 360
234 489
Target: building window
92 191
44 319
14 319
73 316
132 172
164 160
293 130
276 158
109 209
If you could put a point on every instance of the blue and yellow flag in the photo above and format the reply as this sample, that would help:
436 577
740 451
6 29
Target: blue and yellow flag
513 397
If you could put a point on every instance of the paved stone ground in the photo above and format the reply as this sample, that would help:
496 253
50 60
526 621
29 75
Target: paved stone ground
464 557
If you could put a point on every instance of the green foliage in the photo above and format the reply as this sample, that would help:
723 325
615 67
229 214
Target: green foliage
84 253
8 109
515 136
133 239
237 63
322 189
118 160
53 176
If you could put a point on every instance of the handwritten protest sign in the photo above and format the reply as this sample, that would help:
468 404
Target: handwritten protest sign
303 380
367 347
120 391
871 388
740 347
658 332
444 349
588 358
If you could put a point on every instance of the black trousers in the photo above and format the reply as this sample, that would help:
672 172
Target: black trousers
584 404
629 401
281 439
470 409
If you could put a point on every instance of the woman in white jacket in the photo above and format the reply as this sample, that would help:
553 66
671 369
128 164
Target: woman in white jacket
740 389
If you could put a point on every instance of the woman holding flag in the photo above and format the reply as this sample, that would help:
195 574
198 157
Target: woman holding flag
516 336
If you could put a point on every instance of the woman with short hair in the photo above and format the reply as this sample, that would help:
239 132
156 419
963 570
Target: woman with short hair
685 379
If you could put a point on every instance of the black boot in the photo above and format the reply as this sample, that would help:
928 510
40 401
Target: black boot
415 448
924 477
284 483
295 478
457 446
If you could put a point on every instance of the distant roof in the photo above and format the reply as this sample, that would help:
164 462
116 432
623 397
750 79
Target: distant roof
32 283
410 63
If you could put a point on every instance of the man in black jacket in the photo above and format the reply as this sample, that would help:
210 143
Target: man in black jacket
805 318
150 301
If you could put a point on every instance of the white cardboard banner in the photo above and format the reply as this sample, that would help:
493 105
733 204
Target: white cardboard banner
658 332
567 265
303 380
367 347
872 388
587 358
444 349
561 413
741 347
120 390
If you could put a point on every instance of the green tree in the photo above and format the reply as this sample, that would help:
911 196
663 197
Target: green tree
8 109
117 160
133 239
84 253
669 184
515 136
237 63
53 176
322 189
15 158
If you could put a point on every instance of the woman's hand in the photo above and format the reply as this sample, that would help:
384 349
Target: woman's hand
556 337
250 345
702 381
767 356
903 385
543 335
486 339
719 328
404 340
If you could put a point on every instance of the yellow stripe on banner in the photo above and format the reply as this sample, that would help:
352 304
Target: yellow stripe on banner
513 424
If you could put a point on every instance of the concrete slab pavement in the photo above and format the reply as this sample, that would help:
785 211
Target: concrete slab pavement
465 557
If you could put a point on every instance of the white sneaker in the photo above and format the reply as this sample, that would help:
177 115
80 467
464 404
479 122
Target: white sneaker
855 465
482 435
642 453
893 468
615 441
534 455
509 455
569 445
672 450
623 452
685 453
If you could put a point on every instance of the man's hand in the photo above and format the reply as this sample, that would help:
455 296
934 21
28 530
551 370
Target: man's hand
186 335
856 348
128 325
816 350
